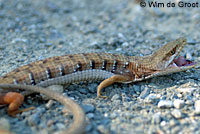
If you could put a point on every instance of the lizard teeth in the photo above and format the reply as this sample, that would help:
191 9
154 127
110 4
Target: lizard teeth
173 65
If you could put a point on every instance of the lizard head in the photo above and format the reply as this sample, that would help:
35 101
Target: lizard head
166 59
166 56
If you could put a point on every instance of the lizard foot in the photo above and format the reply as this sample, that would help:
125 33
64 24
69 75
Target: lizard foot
109 81
14 100
14 113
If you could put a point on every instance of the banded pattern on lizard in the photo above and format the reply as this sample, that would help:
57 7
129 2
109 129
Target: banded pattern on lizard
98 66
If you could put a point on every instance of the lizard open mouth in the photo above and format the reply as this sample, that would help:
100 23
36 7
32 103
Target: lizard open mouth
181 61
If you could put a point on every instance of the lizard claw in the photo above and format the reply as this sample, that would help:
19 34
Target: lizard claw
14 113
100 96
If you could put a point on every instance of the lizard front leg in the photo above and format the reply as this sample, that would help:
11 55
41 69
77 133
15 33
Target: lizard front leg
111 80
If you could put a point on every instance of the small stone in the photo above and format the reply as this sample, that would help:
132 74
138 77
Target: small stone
125 98
118 49
145 93
178 103
60 126
50 122
90 115
88 127
177 114
115 97
102 129
163 123
49 104
43 131
88 108
186 90
189 102
14 41
83 91
113 115
165 104
151 98
120 35
173 122
4 126
191 41
93 43
106 115
92 88
34 119
188 56
137 88
156 119
125 44
197 107
179 95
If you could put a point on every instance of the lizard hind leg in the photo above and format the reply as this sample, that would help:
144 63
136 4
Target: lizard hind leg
14 100
111 80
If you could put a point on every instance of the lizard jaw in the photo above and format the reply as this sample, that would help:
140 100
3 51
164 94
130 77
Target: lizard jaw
178 64
181 62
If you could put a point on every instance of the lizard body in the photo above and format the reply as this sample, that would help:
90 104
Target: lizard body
110 68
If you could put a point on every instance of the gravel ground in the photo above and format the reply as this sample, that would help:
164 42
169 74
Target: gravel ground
34 30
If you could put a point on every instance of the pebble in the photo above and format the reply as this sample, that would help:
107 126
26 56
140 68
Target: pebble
197 107
83 91
120 35
151 98
60 126
4 126
116 102
173 122
49 104
88 127
34 119
189 102
125 98
165 104
92 88
163 123
191 41
88 108
115 97
125 44
90 115
145 93
102 129
186 90
188 56
137 88
177 113
50 122
156 119
179 95
113 115
178 103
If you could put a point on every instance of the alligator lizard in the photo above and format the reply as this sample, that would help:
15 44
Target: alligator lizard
110 68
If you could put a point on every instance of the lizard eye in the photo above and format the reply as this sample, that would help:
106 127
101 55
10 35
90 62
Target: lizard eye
172 52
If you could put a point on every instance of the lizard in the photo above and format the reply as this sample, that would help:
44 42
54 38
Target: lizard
111 68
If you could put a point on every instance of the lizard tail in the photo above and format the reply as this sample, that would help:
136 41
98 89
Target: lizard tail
78 125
